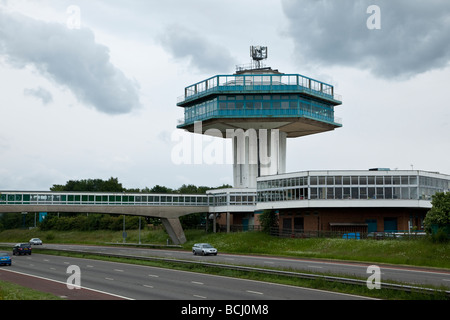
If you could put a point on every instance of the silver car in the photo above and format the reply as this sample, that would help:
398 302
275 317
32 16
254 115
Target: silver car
36 241
204 249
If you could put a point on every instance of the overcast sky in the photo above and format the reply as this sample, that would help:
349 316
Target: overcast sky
88 88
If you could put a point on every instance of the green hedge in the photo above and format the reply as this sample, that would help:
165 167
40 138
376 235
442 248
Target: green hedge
89 222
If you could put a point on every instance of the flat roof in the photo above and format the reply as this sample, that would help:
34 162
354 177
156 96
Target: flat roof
370 172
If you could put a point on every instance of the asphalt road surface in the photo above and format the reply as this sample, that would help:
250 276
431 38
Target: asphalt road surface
404 274
127 281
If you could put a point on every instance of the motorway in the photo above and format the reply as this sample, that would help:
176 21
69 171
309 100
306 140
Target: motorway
128 281
404 274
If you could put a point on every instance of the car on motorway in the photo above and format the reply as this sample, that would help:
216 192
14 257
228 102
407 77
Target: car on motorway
5 259
382 235
35 241
22 248
204 249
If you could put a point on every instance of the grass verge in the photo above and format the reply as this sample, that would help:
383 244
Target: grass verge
12 291
415 252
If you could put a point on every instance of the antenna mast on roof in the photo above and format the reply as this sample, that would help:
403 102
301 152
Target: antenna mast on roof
258 53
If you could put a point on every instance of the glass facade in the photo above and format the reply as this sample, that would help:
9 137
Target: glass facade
16 198
390 185
233 198
230 197
244 106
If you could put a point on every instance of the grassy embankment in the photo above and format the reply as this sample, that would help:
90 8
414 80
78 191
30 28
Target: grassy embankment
420 252
11 291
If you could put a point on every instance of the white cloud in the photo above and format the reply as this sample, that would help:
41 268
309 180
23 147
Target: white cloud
40 93
414 36
70 58
203 55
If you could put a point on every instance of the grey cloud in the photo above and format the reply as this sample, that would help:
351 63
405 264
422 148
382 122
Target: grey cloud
414 35
71 58
42 94
203 55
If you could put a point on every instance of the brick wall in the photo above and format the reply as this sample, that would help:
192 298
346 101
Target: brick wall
320 218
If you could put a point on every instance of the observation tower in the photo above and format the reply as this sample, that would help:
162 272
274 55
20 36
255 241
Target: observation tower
259 108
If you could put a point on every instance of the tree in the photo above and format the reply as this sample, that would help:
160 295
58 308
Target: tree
439 214
90 185
160 189
268 220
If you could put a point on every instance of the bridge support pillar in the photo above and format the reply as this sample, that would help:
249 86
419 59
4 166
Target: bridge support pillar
174 229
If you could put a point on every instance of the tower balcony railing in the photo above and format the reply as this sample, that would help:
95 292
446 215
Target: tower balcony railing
260 84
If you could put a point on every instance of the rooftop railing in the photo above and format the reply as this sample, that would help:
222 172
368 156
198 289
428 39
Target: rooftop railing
260 83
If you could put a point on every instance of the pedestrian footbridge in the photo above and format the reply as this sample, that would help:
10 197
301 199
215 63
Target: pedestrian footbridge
168 207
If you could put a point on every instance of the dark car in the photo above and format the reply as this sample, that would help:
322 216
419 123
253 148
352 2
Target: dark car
22 248
5 259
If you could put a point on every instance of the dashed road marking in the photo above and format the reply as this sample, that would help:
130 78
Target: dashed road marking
254 292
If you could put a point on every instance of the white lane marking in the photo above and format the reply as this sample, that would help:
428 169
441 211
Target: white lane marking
148 286
196 282
153 275
109 279
318 267
255 292
197 296
118 270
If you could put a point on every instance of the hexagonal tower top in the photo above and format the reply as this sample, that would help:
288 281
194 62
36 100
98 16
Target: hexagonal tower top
259 97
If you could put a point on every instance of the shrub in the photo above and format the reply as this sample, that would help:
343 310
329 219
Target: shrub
268 220
92 222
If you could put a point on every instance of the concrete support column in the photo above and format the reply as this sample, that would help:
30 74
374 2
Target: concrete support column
245 158
228 222
282 153
272 152
174 229
257 153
